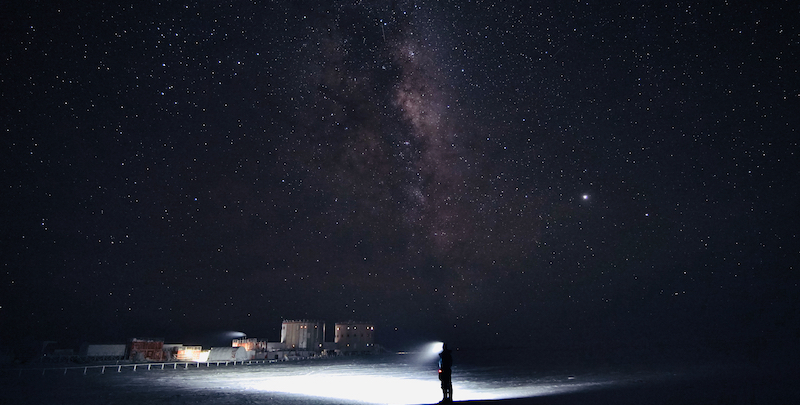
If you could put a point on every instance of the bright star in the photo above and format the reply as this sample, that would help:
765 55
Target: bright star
586 196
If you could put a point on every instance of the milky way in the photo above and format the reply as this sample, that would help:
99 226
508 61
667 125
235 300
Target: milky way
398 150
410 146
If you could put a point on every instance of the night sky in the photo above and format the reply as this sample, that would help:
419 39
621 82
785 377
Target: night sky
483 172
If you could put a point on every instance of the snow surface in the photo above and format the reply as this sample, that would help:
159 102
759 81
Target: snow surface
387 380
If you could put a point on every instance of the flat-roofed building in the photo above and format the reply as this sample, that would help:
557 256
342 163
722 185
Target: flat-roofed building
302 335
146 349
354 337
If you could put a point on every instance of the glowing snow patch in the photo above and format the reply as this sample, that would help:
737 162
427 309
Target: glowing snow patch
394 390
362 388
376 384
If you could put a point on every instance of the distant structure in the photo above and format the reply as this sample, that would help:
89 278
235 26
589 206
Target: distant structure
228 354
256 349
146 349
171 351
94 352
354 337
300 339
250 344
302 335
189 353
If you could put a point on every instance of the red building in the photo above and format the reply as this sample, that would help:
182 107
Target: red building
355 337
145 349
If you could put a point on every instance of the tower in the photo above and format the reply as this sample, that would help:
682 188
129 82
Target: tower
302 334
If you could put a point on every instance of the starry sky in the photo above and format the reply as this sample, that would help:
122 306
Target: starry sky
482 172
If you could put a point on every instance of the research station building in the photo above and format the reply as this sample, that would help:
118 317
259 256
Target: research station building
302 335
353 337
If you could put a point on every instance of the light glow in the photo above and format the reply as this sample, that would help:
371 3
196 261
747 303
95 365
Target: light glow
425 353
432 350
400 383
383 389
234 334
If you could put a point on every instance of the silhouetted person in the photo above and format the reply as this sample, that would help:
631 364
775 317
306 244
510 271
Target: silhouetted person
445 371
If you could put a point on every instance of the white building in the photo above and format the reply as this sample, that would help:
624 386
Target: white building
227 354
302 335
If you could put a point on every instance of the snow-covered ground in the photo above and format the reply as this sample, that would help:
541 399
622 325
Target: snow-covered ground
380 380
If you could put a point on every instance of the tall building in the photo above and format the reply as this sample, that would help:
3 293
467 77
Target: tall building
303 335
355 337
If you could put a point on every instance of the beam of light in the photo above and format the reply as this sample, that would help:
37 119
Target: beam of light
381 389
362 388
433 349
425 353
396 383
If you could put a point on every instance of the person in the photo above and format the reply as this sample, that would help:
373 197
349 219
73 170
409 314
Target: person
445 372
